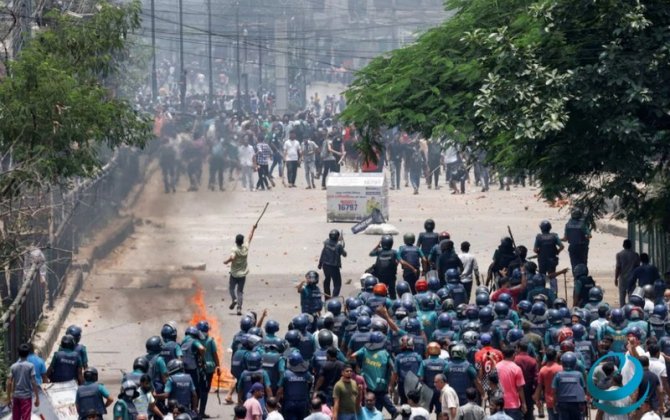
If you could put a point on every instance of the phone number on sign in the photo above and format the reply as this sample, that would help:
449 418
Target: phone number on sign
349 205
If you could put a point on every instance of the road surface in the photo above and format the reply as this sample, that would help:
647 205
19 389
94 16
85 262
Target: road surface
141 285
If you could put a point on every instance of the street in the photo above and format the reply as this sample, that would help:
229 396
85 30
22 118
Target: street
142 285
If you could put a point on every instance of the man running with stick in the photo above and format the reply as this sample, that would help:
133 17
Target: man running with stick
239 267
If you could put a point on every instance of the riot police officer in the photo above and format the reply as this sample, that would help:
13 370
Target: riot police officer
294 388
92 395
124 408
171 349
427 240
386 265
140 367
578 234
310 294
569 388
75 331
66 363
331 262
253 369
180 386
583 285
211 365
460 373
411 258
406 361
547 247
270 337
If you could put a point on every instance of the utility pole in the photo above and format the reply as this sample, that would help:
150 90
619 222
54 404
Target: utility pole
260 56
237 57
281 63
182 70
209 50
154 82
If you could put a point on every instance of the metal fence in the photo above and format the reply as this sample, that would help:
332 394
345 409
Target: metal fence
655 242
62 221
21 319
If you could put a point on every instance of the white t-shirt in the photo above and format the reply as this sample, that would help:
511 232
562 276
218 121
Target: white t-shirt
246 154
275 415
618 403
419 413
292 149
657 366
628 369
650 415
143 402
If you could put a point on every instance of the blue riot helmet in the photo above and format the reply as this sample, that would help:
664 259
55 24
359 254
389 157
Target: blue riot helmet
660 311
334 306
485 339
363 323
565 315
452 275
292 337
271 326
514 336
442 294
501 309
472 313
75 332
444 321
369 283
560 303
617 316
486 315
507 299
578 331
434 284
257 331
524 307
300 322
353 303
168 333
413 326
246 322
203 326
595 294
554 317
253 361
569 360
295 359
580 270
402 287
482 299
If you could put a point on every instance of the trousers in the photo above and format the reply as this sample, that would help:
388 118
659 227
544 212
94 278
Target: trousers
332 272
236 289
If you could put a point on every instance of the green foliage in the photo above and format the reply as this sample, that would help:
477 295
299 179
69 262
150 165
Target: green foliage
56 111
575 92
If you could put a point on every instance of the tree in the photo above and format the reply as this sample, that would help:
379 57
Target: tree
56 113
575 92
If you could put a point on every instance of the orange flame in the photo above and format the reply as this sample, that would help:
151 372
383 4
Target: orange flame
201 314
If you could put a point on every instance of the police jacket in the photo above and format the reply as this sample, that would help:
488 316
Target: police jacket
331 253
89 398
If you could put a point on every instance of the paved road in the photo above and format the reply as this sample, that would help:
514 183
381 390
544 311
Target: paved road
141 285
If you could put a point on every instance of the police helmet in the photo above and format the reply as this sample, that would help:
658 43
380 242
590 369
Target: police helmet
271 326
312 277
408 239
253 361
470 326
565 315
482 299
353 303
617 316
203 326
482 289
459 352
427 303
413 326
472 312
603 310
168 332
580 270
421 285
91 374
539 309
429 225
507 299
569 360
300 322
545 226
433 349
325 338
460 310
365 311
369 283
295 359
448 304
400 313
636 300
578 331
560 303
402 287
292 337
485 339
409 306
501 309
444 235
576 213
141 364
538 281
442 294
444 321
251 341
531 267
246 322
334 306
192 332
380 325
434 284
387 242
406 343
257 331
174 366
567 343
380 289
67 342
127 386
660 311
514 336
154 344
595 294
334 235
486 315
75 332
363 323
648 290
554 316
376 337
183 416
524 307
452 275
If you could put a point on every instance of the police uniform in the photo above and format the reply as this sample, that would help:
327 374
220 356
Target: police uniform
90 397
65 366
296 385
577 234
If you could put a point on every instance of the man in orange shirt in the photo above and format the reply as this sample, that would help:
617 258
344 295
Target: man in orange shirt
545 378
